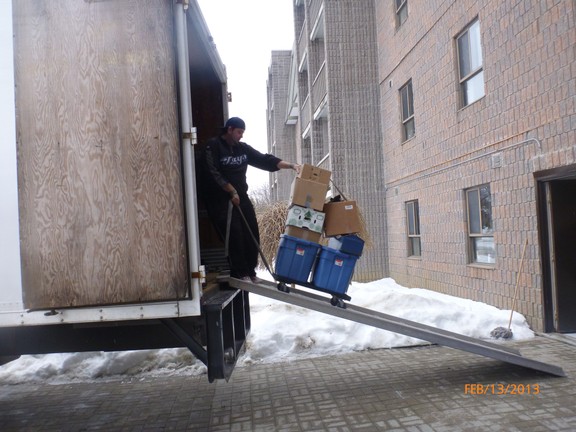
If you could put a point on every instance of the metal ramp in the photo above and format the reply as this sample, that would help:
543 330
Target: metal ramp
391 323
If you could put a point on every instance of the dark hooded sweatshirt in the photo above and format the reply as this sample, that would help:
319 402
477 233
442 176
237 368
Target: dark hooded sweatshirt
228 164
223 164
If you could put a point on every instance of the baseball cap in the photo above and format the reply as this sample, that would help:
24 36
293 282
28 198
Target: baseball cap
235 123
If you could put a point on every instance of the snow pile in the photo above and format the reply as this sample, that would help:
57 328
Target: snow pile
281 332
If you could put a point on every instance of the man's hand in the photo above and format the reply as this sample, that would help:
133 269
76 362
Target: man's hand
289 165
235 198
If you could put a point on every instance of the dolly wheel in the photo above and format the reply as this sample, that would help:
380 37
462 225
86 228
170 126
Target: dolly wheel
282 287
338 302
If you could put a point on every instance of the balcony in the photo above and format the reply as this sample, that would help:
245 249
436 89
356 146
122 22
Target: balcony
319 89
305 114
314 10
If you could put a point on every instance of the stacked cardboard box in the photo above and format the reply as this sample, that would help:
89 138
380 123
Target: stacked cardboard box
341 217
299 246
300 257
305 215
335 264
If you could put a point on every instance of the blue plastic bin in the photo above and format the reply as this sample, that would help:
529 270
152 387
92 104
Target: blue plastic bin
348 244
333 271
295 258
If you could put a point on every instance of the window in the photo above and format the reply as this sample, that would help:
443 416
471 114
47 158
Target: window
480 228
413 221
401 11
470 64
407 102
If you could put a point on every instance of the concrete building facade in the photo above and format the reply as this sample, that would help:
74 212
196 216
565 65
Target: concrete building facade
476 144
332 106
281 140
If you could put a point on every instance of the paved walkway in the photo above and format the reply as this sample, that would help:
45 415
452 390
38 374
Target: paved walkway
428 388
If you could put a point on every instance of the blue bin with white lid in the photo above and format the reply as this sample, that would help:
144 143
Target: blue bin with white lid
295 259
333 270
349 244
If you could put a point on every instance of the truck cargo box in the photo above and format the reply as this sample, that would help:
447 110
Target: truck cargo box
99 166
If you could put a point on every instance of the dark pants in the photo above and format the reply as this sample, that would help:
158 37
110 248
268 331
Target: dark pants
242 250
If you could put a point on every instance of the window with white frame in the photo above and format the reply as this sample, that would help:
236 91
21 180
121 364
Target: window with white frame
480 228
401 11
413 228
407 105
470 64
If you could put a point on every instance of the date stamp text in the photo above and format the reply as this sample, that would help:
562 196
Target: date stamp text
501 389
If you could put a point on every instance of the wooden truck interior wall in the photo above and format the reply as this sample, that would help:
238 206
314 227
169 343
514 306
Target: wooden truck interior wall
99 163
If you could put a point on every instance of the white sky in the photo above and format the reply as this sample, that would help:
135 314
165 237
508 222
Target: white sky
245 33
281 333
9 234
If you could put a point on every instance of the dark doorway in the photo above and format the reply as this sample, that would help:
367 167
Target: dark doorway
557 205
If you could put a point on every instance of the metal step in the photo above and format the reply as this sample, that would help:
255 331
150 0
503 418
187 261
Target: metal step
394 324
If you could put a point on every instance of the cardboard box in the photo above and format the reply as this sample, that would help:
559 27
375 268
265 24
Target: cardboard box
307 193
303 217
315 174
342 217
303 233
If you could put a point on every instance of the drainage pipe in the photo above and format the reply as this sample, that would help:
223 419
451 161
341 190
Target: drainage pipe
188 139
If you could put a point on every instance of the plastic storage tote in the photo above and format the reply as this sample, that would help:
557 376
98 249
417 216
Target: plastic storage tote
333 271
348 244
295 259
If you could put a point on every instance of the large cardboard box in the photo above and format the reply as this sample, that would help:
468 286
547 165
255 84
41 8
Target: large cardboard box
303 217
303 233
316 174
342 217
307 193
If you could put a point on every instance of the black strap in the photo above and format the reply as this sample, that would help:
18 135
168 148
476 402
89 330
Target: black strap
228 223
256 242
338 189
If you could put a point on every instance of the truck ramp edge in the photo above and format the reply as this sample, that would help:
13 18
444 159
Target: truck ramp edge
394 324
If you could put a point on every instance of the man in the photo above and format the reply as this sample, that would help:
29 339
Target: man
225 163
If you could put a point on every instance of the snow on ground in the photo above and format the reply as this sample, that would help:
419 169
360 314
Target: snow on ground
281 332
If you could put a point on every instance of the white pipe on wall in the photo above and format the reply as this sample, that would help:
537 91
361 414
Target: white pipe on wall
188 135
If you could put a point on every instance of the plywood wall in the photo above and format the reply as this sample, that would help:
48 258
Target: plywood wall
100 189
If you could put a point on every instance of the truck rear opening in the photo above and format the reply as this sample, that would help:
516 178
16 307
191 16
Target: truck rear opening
109 99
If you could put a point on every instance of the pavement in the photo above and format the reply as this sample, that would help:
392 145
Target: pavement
428 388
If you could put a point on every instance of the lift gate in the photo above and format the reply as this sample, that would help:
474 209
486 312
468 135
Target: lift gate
391 323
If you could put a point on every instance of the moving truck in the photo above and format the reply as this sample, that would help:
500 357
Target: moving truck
104 244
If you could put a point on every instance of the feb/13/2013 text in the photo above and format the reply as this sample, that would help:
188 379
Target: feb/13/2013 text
501 389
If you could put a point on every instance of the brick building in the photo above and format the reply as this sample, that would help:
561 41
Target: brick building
476 142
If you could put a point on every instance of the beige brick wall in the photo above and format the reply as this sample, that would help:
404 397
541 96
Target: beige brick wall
526 119
524 125
355 138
